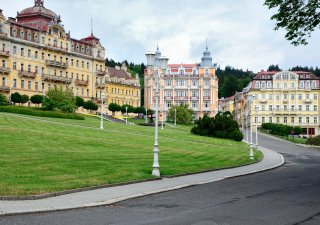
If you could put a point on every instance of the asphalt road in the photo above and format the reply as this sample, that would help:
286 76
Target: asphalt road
289 195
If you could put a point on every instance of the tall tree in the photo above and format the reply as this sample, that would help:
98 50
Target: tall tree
298 17
274 68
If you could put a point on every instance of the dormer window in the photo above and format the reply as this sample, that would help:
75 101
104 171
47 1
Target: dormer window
307 84
181 72
258 84
194 72
314 84
301 84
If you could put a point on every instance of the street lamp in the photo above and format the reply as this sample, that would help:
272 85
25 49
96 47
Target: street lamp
101 112
126 114
246 127
257 117
146 115
175 117
161 122
156 171
251 97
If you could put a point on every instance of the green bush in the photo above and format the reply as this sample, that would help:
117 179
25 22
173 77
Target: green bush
38 112
220 126
57 98
180 112
3 100
313 140
281 129
36 99
90 105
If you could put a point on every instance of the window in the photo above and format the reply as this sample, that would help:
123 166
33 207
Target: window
37 86
88 65
29 84
29 53
307 96
22 84
22 52
292 96
258 84
263 96
308 84
42 56
270 107
270 119
194 83
270 96
314 84
300 96
168 93
14 65
285 108
278 85
307 119
315 108
206 93
36 54
278 107
300 120
181 83
194 105
194 93
206 83
292 107
315 120
278 120
14 50
82 64
301 84
300 107
263 108
292 120
278 96
292 85
14 83
307 107
71 62
269 84
285 96
181 72
315 96
168 83
206 104
263 120
285 86
206 72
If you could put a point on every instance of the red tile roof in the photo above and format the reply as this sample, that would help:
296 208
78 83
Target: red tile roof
119 73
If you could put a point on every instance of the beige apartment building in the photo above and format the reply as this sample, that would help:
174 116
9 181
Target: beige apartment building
195 85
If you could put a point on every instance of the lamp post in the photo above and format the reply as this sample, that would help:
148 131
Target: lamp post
161 122
101 112
251 97
126 114
175 117
146 115
156 171
257 117
246 127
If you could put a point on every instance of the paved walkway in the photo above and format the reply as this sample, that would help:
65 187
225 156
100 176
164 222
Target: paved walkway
111 195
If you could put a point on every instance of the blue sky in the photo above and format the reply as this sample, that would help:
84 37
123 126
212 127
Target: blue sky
239 32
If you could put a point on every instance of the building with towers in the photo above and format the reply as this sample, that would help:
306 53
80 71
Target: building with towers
37 53
195 84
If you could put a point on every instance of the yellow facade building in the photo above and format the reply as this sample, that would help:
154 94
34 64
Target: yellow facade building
286 97
37 54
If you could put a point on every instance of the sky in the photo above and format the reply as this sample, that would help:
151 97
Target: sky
239 33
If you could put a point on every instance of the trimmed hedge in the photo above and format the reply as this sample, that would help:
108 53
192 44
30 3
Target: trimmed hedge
281 129
38 112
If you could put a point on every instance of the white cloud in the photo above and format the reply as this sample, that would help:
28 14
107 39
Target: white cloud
239 33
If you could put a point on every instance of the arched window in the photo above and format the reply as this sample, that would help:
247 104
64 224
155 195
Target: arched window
314 84
263 84
207 72
308 84
292 85
301 85
269 84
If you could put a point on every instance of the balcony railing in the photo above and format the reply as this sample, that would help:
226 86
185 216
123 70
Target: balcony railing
5 70
23 73
5 88
263 100
101 72
4 53
56 64
206 98
81 82
307 101
56 78
100 85
2 34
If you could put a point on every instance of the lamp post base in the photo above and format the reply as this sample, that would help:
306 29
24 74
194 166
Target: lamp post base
251 151
156 172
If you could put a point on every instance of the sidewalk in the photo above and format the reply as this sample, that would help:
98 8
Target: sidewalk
111 195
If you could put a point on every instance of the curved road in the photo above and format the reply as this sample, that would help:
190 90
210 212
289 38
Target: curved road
289 195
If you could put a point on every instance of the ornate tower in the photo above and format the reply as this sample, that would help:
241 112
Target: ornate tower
206 60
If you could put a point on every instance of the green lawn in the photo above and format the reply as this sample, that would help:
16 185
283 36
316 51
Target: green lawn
44 155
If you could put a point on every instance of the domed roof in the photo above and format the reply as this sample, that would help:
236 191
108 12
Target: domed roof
36 10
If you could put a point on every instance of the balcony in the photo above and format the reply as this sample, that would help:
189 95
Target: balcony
28 74
4 53
206 98
56 64
181 98
5 88
2 34
285 100
307 101
81 82
263 100
168 98
194 98
5 70
56 78
100 85
101 73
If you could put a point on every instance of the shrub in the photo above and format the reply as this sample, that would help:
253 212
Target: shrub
184 114
16 98
24 99
38 112
57 98
79 101
36 99
313 140
281 129
3 100
113 107
221 126
90 105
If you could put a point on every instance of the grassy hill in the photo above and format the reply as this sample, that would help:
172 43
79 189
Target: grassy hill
44 155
